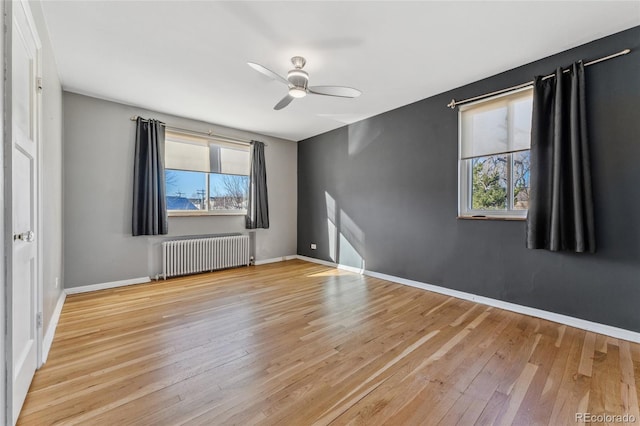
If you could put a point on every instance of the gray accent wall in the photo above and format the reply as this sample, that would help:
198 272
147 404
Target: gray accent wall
99 144
382 194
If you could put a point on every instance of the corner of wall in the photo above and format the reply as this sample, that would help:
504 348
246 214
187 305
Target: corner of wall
51 157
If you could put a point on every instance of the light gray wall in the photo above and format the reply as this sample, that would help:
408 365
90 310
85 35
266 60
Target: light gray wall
387 189
51 154
99 144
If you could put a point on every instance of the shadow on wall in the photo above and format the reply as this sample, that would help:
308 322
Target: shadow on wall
345 239
362 134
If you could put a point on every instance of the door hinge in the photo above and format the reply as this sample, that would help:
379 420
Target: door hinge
39 84
39 319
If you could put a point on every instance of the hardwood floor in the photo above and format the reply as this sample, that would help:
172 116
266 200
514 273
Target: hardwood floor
295 343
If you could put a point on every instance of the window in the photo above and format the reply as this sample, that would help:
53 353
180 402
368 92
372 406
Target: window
495 138
205 176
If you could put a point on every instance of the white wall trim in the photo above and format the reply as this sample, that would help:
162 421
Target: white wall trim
608 330
275 259
319 261
334 265
104 286
51 329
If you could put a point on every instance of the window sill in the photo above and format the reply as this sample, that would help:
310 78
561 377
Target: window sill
192 213
508 218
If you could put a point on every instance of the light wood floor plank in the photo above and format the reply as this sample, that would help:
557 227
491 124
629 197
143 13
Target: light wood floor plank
303 344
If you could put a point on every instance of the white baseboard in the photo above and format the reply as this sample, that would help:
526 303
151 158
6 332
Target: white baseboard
275 259
319 261
104 286
333 265
608 330
47 340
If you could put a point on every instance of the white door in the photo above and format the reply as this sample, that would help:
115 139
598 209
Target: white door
24 168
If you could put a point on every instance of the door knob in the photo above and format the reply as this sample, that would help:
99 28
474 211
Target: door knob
25 236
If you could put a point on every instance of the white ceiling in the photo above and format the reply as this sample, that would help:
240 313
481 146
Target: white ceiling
189 58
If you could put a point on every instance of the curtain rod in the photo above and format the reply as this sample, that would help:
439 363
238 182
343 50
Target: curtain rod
453 104
209 133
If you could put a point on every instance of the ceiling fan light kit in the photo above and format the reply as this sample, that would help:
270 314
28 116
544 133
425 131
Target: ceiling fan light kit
298 82
297 92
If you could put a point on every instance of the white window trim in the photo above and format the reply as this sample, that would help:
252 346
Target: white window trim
464 175
464 198
215 212
179 213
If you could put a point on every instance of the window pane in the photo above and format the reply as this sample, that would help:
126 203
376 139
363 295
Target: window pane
521 177
229 192
185 190
185 155
232 161
186 151
485 131
489 183
522 112
496 126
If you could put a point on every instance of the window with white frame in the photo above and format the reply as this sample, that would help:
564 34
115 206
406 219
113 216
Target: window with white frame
205 175
494 160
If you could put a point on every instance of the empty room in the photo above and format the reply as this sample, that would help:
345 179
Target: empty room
320 212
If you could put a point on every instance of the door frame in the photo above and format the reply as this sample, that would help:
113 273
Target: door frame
8 198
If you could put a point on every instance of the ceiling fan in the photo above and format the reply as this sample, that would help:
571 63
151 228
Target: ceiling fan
298 82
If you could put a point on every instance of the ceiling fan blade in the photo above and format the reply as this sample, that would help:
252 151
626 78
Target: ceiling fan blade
268 72
343 92
283 102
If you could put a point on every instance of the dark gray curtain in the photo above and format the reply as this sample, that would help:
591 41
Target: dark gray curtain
561 202
149 202
258 208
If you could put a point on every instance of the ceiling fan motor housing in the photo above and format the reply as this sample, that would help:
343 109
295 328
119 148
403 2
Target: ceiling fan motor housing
298 78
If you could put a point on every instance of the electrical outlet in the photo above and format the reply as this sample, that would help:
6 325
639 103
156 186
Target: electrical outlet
313 246
57 282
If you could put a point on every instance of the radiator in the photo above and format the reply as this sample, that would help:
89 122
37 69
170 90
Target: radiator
183 257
